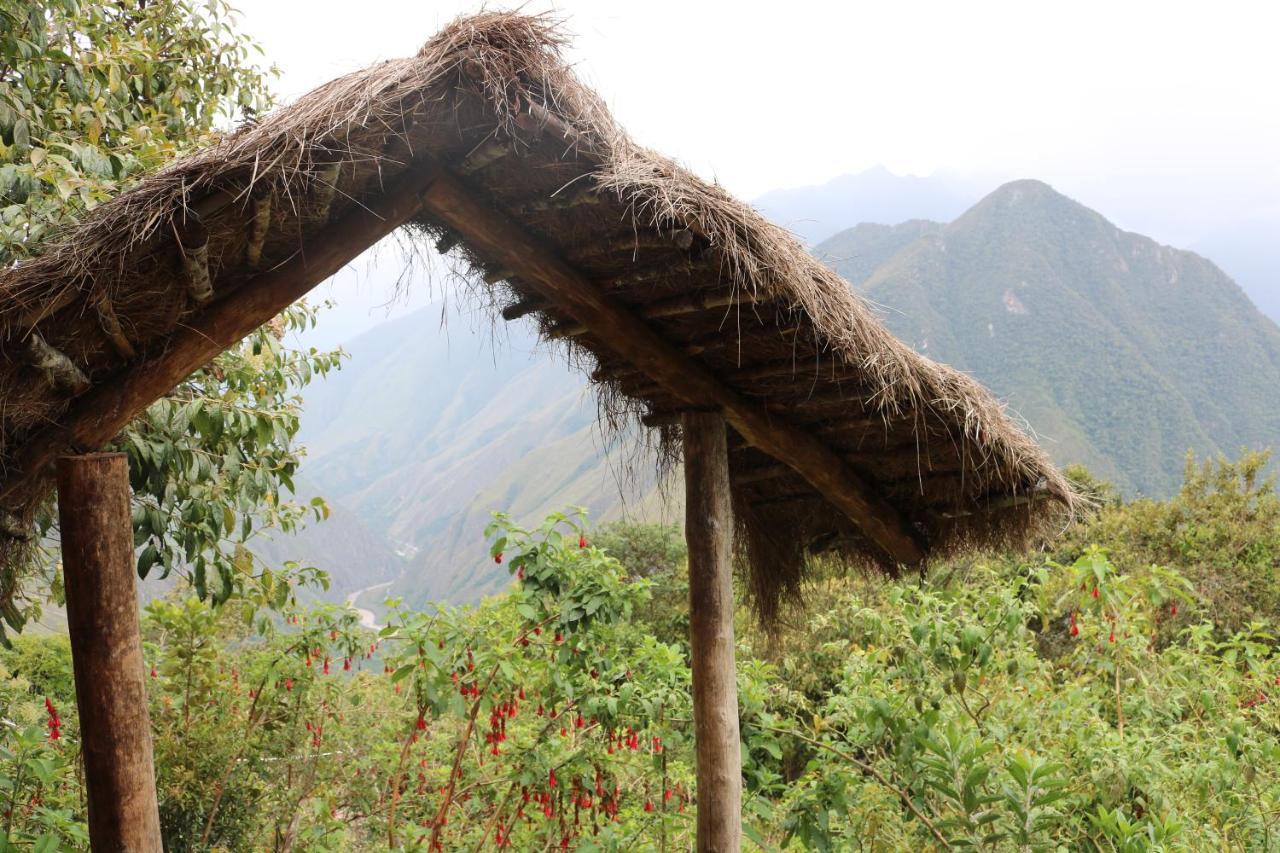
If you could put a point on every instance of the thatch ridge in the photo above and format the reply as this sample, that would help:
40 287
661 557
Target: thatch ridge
496 83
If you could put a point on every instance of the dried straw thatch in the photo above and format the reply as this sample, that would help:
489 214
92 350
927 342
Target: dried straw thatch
490 100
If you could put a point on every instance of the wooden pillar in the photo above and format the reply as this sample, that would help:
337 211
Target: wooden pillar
106 652
709 532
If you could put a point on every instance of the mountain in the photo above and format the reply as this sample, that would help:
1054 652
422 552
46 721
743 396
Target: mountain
438 419
875 195
342 545
1119 352
1230 219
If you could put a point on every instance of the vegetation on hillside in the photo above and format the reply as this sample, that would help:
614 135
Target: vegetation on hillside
1079 699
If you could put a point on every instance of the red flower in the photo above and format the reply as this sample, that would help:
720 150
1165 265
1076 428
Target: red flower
1095 592
497 558
288 684
648 805
582 541
551 778
346 663
421 724
1173 609
154 674
55 722
326 664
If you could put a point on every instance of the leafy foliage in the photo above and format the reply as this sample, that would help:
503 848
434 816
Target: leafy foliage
91 96
997 705
94 94
1221 529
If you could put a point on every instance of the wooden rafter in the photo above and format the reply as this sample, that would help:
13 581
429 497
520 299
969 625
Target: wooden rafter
500 241
96 417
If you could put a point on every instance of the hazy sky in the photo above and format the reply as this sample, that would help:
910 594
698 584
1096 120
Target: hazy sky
1155 113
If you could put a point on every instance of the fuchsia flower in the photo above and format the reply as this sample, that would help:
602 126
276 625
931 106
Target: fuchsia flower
55 722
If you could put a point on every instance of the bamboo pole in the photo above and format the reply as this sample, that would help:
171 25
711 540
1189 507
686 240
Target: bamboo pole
106 652
709 533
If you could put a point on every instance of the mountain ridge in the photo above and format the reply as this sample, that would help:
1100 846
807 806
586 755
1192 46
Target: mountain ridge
1044 269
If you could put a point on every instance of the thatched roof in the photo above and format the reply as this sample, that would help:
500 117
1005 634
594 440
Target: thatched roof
671 292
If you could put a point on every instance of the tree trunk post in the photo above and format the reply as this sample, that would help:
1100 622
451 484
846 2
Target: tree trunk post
709 533
106 652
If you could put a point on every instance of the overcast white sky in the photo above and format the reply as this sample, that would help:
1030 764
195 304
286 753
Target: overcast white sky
1179 102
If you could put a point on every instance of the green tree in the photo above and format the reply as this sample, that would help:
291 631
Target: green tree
92 96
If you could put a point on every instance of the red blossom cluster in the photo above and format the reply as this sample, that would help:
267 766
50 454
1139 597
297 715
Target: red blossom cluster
54 722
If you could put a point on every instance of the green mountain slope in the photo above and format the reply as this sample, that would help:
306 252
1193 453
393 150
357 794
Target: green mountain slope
430 426
1121 353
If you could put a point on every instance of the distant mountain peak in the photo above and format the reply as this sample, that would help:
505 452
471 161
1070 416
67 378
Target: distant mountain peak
1122 353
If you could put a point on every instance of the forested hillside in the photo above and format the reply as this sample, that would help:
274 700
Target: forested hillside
438 418
1121 353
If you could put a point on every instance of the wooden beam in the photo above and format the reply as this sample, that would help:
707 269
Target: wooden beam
96 529
708 530
523 308
498 274
486 154
658 273
661 309
537 121
100 414
568 200
208 206
631 339
59 371
679 240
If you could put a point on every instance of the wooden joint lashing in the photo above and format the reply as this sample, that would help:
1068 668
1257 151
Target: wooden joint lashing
326 187
523 308
110 323
484 155
193 249
59 371
259 225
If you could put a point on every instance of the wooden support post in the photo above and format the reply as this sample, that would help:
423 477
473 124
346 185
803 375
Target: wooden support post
709 533
106 652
